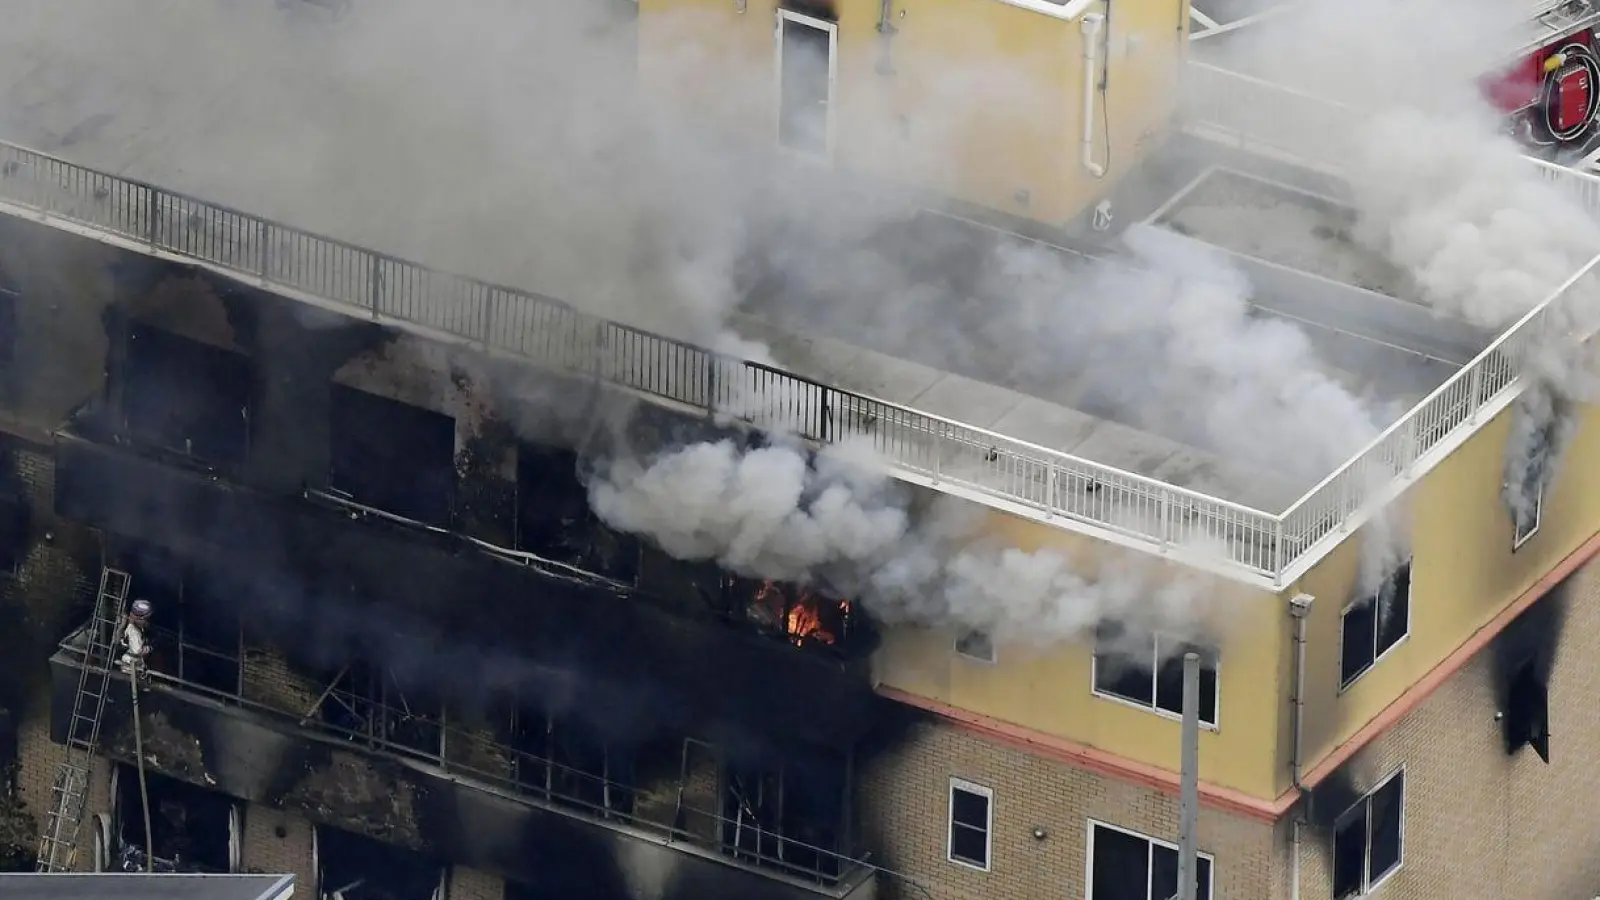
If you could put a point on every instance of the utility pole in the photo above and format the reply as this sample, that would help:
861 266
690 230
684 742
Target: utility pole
1189 797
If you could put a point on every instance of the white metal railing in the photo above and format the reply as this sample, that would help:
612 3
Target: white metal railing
1046 484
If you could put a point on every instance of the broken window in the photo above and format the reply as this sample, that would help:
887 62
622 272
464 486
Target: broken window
186 396
1527 516
195 626
1527 718
353 867
554 519
568 764
191 829
367 701
798 614
976 645
971 824
392 456
1367 839
788 814
1374 624
1126 865
1542 425
1147 669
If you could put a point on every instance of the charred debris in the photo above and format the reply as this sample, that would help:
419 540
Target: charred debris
416 587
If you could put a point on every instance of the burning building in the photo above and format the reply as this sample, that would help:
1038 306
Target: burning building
397 650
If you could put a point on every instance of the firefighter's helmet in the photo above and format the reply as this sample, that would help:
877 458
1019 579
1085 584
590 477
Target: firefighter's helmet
140 609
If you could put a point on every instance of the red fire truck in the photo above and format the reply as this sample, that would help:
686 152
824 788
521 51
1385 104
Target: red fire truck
1551 87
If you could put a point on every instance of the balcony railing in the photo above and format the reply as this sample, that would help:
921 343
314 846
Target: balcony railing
390 724
1009 474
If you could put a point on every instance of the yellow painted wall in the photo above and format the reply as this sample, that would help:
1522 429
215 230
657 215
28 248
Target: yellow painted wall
1464 573
1050 690
982 101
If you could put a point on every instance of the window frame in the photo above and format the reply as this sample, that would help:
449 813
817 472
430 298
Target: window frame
988 640
1378 656
977 790
784 19
1368 885
1519 537
1215 723
1149 867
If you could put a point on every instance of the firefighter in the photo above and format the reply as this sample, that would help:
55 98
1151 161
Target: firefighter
135 647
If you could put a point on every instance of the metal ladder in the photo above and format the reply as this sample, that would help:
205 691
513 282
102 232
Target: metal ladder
58 846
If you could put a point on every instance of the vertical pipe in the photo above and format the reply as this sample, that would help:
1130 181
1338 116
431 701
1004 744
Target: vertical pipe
1090 25
1189 802
1299 608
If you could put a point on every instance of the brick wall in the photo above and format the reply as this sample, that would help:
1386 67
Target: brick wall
40 759
278 843
905 800
1479 823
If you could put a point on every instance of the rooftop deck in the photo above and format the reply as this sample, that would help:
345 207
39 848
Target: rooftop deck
973 424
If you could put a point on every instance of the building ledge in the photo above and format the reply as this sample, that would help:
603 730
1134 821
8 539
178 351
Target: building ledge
264 756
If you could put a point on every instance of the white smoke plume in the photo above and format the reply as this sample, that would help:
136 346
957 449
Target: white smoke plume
528 157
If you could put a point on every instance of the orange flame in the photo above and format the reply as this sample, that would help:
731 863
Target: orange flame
799 612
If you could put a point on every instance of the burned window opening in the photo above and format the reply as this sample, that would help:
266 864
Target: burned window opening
392 456
1541 427
789 814
567 764
1147 670
187 397
800 615
555 521
195 633
976 645
1527 719
366 702
353 867
1373 625
1367 839
191 828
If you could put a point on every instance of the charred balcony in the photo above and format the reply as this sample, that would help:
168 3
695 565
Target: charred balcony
561 800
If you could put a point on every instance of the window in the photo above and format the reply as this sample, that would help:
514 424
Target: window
187 397
1374 624
392 456
1148 670
1525 520
971 824
1367 838
976 645
1125 865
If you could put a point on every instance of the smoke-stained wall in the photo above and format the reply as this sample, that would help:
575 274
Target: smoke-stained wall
1479 821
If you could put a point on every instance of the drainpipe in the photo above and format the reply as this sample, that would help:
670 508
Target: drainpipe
1299 610
1091 25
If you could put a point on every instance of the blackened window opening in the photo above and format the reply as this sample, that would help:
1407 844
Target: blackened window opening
367 702
789 813
392 456
1147 669
1129 866
1374 624
190 827
359 868
568 764
801 615
555 521
194 628
1367 840
1527 720
187 397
